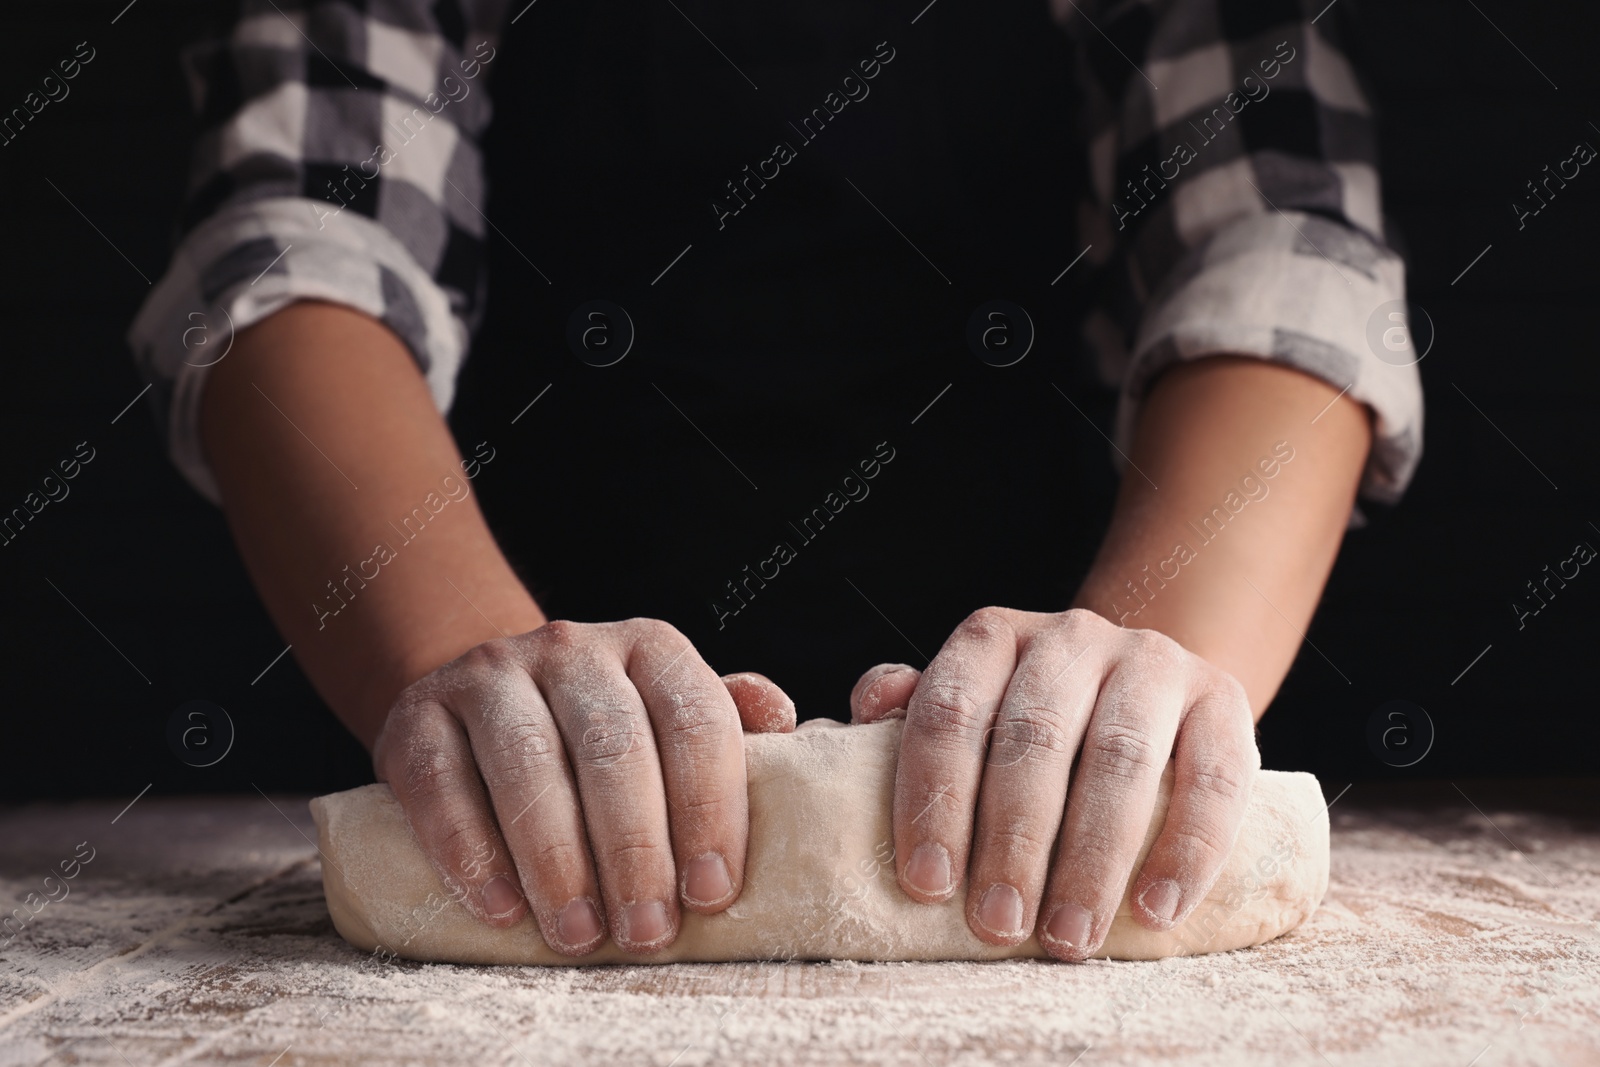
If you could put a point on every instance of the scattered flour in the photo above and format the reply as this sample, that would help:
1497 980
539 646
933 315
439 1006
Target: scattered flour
199 935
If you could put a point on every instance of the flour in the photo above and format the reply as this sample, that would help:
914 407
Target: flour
199 935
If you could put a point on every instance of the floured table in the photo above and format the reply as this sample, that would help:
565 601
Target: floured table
1455 931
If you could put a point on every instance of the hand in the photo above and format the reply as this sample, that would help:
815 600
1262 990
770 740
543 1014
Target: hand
591 771
992 727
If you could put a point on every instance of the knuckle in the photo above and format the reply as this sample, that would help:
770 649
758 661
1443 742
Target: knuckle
1084 619
610 737
1199 839
418 700
701 809
699 719
566 859
654 630
1033 732
420 751
1230 694
1123 751
986 624
1018 838
408 701
461 838
1040 726
521 744
1226 706
489 657
1218 779
947 710
405 721
1153 645
427 774
1232 689
638 848
1073 626
1094 849
561 634
509 776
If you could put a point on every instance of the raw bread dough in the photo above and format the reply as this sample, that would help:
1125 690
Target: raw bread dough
820 879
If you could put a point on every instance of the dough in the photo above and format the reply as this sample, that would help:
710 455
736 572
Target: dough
820 880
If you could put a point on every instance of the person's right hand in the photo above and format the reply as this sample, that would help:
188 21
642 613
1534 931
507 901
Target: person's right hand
591 771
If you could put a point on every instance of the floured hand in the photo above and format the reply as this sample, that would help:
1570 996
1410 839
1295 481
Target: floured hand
593 772
983 787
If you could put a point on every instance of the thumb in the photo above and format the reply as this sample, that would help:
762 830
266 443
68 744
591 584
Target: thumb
883 692
763 707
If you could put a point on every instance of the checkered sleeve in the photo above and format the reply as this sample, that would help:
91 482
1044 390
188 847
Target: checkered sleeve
1235 207
337 159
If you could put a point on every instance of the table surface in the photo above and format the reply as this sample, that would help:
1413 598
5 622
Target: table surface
1460 928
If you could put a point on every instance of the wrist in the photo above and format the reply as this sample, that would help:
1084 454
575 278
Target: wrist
491 614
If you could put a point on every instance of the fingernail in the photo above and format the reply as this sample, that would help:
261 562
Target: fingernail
929 869
869 696
706 880
1160 899
1072 925
501 897
876 691
1000 910
579 923
645 922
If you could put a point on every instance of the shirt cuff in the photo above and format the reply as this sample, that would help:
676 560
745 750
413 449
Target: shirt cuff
254 258
1304 291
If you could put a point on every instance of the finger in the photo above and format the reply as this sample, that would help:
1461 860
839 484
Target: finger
883 692
424 756
1214 763
763 707
1041 720
941 752
607 737
1109 806
519 754
698 735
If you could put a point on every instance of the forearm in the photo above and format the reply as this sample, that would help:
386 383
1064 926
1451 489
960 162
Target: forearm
1240 589
324 440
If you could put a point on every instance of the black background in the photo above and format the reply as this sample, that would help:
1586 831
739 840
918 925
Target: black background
614 505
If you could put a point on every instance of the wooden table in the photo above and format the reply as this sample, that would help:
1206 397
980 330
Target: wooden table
1456 931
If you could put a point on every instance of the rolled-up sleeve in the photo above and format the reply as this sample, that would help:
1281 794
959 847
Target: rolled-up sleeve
337 159
1235 207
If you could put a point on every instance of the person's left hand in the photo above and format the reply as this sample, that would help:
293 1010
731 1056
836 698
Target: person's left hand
992 727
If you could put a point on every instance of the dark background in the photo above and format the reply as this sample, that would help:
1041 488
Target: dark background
616 506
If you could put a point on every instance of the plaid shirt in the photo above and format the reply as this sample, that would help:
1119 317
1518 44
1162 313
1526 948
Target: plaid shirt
1230 146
